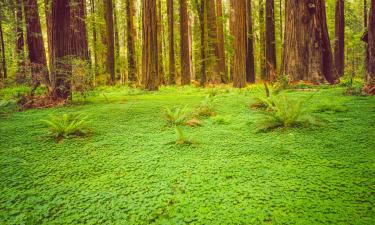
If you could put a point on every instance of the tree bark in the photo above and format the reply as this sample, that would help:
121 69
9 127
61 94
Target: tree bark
213 74
240 38
307 49
3 58
62 48
150 60
250 65
270 41
185 56
131 34
48 9
202 30
79 46
20 42
160 44
117 42
370 69
339 37
365 23
221 44
94 37
37 53
172 61
108 6
262 42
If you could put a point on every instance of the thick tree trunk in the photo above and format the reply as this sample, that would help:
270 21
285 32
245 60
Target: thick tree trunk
160 44
239 45
185 56
262 42
307 49
370 69
108 7
213 74
62 48
339 37
37 53
172 61
20 42
270 41
250 65
150 60
131 34
79 46
221 44
3 71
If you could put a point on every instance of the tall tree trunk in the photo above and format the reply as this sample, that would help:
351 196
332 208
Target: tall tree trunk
160 44
150 67
20 42
37 53
172 61
370 69
250 65
131 34
94 38
185 56
213 73
3 71
365 13
240 38
117 41
108 7
281 20
48 9
221 45
202 29
262 41
62 48
339 37
307 49
270 41
79 46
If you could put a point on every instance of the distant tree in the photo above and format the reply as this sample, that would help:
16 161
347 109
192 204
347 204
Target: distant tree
150 67
262 41
94 36
108 8
221 43
3 71
270 41
339 37
185 56
20 42
212 56
160 44
172 61
239 45
131 34
250 65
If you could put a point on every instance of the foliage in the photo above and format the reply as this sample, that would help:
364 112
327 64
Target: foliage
221 120
282 83
328 106
177 117
67 125
7 107
207 107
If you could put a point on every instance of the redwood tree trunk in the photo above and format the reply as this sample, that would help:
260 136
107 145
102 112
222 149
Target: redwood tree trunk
37 53
62 48
110 40
185 56
47 7
262 41
270 41
221 45
239 45
250 66
20 42
160 44
3 71
131 34
370 69
307 49
94 37
172 61
150 60
213 74
79 32
339 37
202 29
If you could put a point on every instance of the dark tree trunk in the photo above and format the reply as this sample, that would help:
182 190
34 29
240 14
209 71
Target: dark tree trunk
3 71
262 42
117 41
185 52
172 61
202 29
250 65
79 46
370 69
270 41
307 49
339 37
160 44
62 48
131 34
20 42
213 74
150 60
108 7
37 53
239 45
221 44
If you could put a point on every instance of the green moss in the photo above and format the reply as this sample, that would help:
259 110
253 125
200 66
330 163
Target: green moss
127 172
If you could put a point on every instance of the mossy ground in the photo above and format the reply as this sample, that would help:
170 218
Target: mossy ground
129 171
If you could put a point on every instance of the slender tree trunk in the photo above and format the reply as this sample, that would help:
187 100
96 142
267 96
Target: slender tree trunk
240 38
20 42
365 15
110 40
213 73
94 38
202 26
262 42
172 61
37 53
160 44
131 34
185 56
3 58
250 65
62 48
281 20
80 45
270 41
48 9
150 60
117 41
339 37
307 49
370 69
221 44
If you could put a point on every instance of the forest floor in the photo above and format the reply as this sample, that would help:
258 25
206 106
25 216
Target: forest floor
130 171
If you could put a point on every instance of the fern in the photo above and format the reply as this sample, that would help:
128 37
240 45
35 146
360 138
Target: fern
176 116
207 107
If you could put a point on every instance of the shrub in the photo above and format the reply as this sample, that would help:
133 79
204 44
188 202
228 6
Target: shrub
176 118
284 112
67 125
207 107
282 83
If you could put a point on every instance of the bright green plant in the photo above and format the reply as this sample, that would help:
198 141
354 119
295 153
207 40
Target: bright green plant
207 107
221 120
177 118
67 125
7 106
328 106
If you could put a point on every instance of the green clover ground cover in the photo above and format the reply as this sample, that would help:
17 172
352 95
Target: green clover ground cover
129 171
